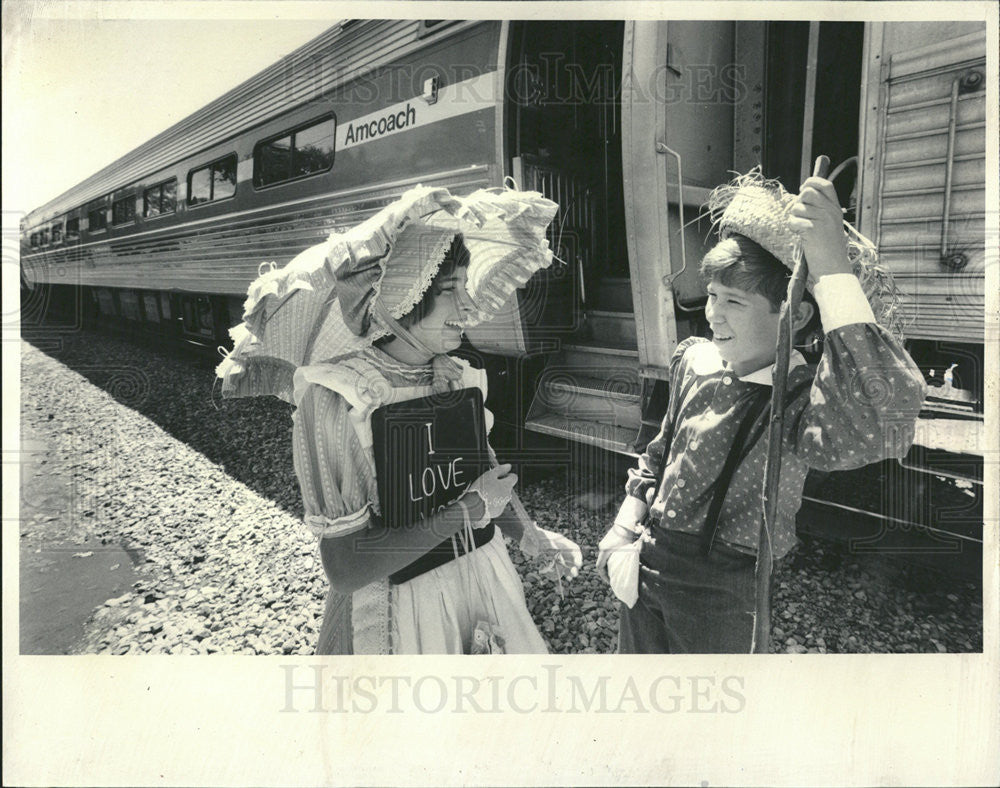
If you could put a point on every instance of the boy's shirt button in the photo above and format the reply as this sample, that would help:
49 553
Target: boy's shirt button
681 482
671 513
727 380
693 444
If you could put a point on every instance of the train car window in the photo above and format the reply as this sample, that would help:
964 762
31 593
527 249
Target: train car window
307 150
273 162
97 219
314 148
43 238
73 228
168 196
224 178
123 210
34 240
200 186
214 181
160 199
56 233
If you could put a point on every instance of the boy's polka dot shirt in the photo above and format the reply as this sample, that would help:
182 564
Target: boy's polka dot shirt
857 406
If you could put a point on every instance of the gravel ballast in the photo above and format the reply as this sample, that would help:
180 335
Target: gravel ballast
203 494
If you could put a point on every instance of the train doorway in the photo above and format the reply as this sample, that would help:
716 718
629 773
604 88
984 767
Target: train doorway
815 111
563 137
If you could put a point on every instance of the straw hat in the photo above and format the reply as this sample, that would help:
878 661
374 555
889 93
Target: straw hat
758 208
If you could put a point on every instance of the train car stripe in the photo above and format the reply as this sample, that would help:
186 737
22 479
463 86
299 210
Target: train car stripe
475 172
460 98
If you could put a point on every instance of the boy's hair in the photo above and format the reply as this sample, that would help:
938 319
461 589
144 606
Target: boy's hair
744 264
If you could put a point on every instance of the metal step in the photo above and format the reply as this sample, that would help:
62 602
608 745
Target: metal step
578 394
621 388
589 354
605 436
590 393
612 327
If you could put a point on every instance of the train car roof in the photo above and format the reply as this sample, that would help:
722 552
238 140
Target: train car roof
308 72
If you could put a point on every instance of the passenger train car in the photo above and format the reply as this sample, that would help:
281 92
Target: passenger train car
627 126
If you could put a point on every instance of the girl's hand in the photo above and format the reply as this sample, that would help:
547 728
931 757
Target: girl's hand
495 488
816 217
563 554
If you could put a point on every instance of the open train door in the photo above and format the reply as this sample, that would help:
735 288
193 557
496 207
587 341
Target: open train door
680 91
679 95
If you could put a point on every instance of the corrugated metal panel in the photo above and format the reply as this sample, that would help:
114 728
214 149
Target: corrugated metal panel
932 184
314 70
575 223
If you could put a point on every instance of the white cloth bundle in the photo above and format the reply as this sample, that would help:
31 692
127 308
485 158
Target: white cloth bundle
623 572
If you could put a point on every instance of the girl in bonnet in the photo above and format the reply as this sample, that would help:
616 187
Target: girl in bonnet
405 308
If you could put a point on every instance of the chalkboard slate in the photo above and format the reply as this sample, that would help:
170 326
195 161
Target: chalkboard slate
427 451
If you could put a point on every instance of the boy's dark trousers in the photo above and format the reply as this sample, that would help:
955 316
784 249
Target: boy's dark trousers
689 603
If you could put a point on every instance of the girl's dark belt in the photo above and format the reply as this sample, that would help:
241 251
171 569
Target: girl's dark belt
442 554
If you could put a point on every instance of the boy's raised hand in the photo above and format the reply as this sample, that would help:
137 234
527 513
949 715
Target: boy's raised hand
816 217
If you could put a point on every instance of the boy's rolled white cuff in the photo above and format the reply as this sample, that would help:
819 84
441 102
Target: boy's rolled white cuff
631 512
841 301
625 531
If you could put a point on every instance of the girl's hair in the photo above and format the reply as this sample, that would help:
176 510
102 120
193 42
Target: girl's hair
744 264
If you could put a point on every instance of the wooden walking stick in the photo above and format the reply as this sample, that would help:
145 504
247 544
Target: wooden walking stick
772 468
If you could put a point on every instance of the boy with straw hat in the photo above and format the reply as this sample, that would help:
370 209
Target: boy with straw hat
682 550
